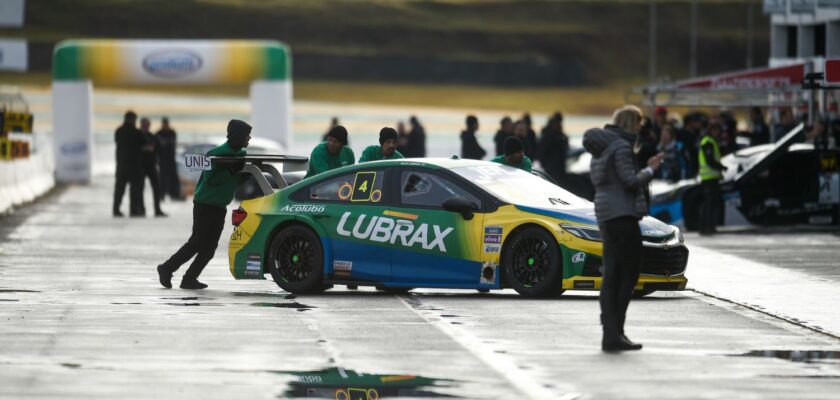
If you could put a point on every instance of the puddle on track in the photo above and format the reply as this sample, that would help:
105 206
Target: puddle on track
294 304
339 383
804 356
19 291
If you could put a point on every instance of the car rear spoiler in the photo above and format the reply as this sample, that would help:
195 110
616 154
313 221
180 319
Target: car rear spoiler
778 150
256 165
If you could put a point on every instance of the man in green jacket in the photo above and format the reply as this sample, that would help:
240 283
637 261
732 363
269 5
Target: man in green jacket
332 154
387 149
212 195
514 155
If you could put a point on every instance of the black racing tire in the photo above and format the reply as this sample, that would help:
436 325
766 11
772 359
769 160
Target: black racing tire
532 263
296 260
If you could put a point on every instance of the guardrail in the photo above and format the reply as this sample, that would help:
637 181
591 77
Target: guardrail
23 180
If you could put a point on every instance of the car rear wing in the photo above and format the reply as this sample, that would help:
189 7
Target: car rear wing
257 165
779 149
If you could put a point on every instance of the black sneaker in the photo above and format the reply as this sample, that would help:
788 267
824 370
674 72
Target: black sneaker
118 214
160 214
192 284
165 277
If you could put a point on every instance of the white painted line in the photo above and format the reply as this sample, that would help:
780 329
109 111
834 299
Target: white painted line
788 294
498 362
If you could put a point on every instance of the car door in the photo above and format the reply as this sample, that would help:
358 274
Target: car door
429 245
354 204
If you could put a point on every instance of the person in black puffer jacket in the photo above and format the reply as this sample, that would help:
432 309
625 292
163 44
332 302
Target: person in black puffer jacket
619 205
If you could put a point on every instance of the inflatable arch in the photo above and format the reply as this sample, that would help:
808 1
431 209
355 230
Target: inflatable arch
78 64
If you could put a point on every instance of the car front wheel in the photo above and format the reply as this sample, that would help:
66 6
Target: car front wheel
532 263
296 260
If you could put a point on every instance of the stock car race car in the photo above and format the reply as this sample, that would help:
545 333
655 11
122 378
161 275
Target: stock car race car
435 223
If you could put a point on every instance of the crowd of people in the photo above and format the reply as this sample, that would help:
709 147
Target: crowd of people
143 155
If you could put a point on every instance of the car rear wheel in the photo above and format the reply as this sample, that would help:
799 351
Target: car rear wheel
296 260
532 263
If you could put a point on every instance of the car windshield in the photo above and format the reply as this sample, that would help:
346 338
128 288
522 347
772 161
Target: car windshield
518 187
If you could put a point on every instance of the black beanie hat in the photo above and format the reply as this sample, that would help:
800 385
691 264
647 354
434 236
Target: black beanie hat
339 133
387 133
513 145
238 130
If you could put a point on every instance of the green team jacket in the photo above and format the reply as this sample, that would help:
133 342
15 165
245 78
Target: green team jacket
322 161
525 165
374 153
216 186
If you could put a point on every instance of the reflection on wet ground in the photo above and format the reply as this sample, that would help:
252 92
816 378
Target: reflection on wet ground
294 304
813 356
339 383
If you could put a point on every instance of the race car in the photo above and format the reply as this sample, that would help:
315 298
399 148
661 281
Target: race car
436 223
784 183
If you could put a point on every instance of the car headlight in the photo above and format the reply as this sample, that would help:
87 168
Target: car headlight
583 232
679 234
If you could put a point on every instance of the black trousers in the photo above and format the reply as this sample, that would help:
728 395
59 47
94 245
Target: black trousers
622 260
132 177
169 183
152 174
710 210
208 222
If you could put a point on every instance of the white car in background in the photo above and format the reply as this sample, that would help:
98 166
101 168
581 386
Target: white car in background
257 146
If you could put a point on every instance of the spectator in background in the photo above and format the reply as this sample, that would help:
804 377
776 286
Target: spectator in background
786 123
469 143
673 160
554 147
169 181
129 141
660 119
333 124
151 148
711 172
759 130
693 127
505 131
646 142
402 138
520 130
818 134
531 136
416 145
729 126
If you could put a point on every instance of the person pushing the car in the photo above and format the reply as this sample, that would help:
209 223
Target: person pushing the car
387 149
331 154
213 193
514 155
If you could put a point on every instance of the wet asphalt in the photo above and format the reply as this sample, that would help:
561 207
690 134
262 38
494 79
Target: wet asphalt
82 316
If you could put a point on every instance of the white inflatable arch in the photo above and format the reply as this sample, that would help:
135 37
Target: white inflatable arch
78 64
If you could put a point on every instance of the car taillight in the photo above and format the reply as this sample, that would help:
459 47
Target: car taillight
238 216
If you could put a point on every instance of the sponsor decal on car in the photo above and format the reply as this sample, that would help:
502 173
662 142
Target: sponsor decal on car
386 230
253 262
653 232
578 257
342 269
339 265
495 239
253 267
492 248
303 208
493 230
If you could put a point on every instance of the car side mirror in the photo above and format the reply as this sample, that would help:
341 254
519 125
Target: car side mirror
460 205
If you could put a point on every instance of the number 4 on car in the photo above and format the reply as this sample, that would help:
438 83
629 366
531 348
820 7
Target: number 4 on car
436 223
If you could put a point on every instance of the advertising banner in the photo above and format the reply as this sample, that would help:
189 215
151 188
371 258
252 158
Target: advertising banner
14 55
180 62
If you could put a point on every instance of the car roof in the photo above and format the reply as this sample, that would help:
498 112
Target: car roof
432 163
